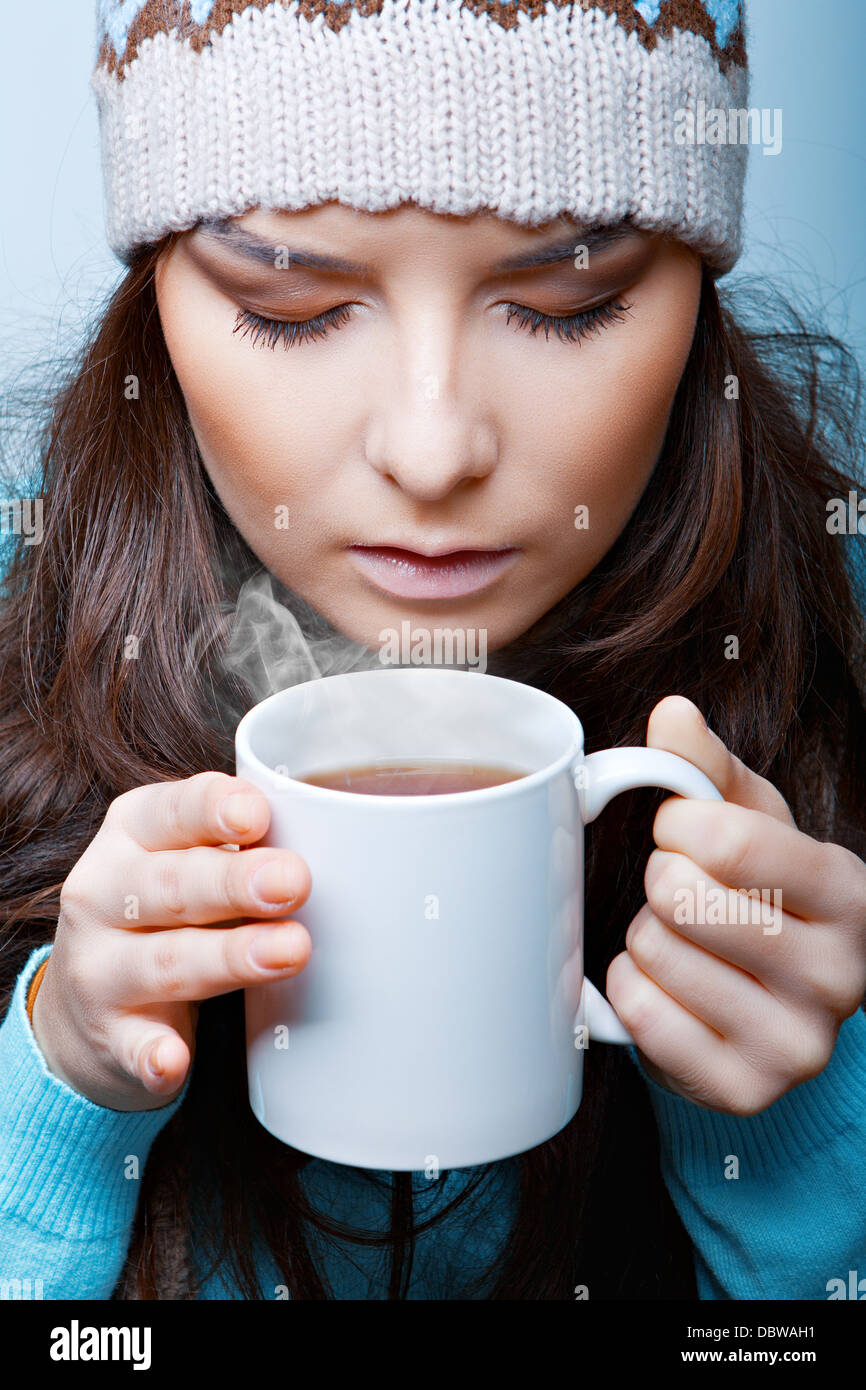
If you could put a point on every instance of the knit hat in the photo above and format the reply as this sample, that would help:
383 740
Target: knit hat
532 109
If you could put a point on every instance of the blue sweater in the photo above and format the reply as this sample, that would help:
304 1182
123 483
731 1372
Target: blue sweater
791 1221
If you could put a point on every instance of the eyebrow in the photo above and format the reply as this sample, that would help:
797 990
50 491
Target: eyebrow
257 248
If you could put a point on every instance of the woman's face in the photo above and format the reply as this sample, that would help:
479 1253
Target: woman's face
428 418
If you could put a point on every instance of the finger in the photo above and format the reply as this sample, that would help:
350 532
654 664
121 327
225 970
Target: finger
691 1059
198 885
803 964
751 932
728 999
690 1053
194 963
149 1052
748 849
199 810
677 725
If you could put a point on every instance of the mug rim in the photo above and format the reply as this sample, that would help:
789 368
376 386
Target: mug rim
526 782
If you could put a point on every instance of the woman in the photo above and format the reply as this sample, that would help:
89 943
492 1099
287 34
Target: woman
421 319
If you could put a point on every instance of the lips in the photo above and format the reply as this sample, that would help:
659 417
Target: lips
409 574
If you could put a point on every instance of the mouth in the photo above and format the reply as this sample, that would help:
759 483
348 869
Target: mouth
450 574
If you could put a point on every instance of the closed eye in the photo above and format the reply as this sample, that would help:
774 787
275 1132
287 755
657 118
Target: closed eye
289 330
567 327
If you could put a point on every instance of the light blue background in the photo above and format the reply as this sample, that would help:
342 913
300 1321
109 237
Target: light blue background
805 207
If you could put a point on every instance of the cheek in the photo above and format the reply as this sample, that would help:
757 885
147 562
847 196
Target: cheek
600 422
627 415
259 426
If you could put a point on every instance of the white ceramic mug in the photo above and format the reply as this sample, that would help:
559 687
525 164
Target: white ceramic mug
441 1018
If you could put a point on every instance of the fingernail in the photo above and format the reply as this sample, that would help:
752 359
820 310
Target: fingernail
153 1065
275 950
237 811
272 883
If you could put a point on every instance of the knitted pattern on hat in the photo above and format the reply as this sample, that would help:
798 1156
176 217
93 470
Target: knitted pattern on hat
532 110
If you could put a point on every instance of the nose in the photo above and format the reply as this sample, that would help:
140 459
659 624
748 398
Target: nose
426 432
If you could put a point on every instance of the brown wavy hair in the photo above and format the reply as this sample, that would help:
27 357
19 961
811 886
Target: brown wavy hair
730 537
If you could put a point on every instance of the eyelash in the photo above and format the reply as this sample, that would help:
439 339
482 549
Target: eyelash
567 327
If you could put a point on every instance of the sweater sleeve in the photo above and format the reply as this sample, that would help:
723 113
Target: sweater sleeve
70 1170
774 1203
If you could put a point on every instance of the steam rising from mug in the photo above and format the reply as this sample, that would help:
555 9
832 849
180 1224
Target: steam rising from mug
269 649
272 646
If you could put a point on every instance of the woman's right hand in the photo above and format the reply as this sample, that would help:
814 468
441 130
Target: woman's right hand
131 954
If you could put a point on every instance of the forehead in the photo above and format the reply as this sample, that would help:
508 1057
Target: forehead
262 234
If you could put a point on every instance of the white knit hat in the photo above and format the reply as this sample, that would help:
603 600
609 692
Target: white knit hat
531 109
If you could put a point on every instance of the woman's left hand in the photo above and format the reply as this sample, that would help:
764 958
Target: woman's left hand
733 1011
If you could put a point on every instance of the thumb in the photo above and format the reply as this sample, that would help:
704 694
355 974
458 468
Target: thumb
156 1056
677 725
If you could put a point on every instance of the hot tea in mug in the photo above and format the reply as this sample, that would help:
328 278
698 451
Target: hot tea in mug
423 777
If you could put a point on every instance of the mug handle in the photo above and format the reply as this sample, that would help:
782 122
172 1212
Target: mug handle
598 777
